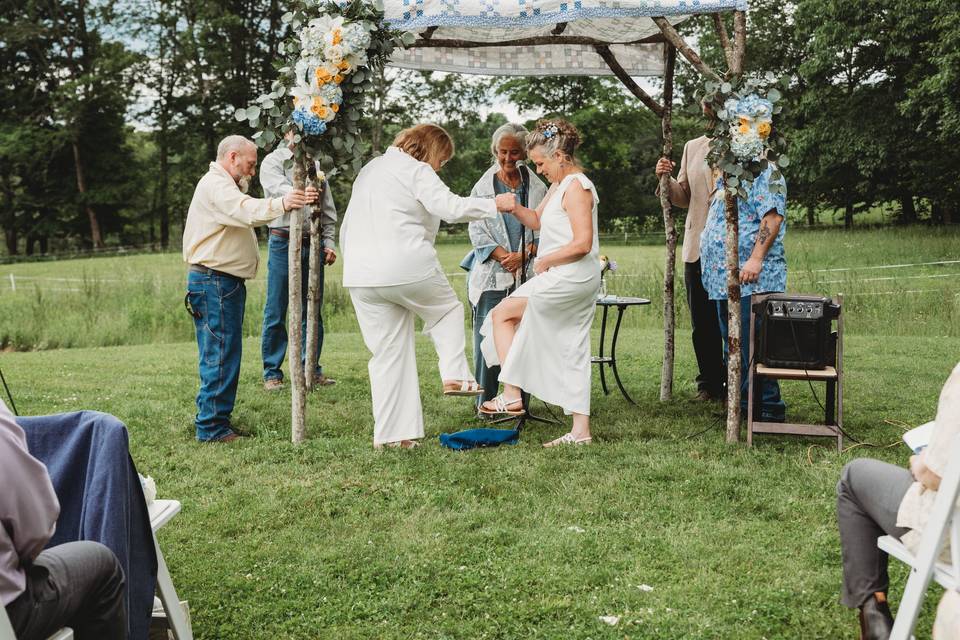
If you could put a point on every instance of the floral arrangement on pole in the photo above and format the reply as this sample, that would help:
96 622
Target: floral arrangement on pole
745 139
327 65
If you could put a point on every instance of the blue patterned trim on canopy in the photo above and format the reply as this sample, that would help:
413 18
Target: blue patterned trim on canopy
419 14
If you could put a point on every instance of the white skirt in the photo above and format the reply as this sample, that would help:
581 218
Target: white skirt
550 354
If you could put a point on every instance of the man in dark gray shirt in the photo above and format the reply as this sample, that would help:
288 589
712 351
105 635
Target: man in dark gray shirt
78 584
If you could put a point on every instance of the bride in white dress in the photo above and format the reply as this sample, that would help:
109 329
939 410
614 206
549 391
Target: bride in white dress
540 334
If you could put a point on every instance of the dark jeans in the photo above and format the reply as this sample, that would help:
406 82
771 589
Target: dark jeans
273 342
772 407
218 303
78 585
868 498
488 377
707 343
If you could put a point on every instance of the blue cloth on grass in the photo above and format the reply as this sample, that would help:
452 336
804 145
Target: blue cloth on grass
101 499
483 437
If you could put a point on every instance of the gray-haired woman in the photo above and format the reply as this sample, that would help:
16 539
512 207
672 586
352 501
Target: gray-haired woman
499 243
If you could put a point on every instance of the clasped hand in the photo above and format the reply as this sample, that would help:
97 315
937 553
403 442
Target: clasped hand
300 198
506 202
511 261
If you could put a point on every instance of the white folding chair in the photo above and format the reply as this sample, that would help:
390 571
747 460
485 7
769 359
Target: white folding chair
6 629
161 512
925 564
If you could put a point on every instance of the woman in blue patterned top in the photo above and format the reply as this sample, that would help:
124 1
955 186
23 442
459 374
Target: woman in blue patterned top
763 268
494 262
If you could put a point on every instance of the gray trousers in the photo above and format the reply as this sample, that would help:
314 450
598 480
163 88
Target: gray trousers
78 585
868 497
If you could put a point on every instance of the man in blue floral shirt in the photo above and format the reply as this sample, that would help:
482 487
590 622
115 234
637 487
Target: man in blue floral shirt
763 268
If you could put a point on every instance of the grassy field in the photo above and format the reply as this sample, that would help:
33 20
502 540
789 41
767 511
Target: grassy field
139 299
333 540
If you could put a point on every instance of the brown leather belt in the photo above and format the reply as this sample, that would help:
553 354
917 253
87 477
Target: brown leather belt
199 268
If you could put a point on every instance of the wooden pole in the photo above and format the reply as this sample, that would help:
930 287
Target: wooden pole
298 395
674 38
627 81
313 289
734 358
669 270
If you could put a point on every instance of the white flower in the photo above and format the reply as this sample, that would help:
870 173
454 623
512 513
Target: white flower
331 93
610 620
333 53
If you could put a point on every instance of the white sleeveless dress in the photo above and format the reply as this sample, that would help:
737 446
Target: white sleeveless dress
550 354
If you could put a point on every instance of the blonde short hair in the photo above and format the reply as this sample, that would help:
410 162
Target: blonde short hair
426 143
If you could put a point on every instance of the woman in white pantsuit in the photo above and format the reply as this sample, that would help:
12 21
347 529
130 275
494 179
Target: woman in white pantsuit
541 332
393 273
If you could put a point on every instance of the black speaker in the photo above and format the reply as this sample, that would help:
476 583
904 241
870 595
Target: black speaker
795 331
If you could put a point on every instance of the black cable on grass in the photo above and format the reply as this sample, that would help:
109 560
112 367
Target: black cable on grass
7 389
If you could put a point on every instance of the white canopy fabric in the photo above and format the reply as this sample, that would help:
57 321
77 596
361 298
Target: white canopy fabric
616 23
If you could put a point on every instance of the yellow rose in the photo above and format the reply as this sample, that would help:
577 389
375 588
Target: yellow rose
763 129
343 65
744 128
338 78
323 76
337 37
318 108
335 107
744 122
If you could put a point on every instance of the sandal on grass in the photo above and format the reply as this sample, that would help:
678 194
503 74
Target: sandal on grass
501 406
567 438
399 444
462 388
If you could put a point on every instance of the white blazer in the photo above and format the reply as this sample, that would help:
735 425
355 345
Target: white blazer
392 221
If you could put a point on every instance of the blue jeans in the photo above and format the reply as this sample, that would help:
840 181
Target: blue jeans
217 302
273 341
772 407
488 377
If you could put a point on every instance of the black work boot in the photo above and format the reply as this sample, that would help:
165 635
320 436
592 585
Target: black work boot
876 623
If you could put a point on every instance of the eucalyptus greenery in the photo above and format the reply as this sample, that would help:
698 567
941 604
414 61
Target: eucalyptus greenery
739 173
271 114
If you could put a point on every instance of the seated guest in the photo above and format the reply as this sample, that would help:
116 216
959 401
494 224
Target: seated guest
494 262
876 498
78 584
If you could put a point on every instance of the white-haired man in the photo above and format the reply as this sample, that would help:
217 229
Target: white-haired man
220 246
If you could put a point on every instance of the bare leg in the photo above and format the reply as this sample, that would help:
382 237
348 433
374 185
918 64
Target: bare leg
581 426
505 317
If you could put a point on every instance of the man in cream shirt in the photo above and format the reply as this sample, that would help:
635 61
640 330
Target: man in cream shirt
692 189
220 246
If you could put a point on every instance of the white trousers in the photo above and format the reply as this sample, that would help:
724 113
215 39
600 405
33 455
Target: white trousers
385 315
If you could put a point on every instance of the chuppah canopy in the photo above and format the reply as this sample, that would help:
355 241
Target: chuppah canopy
540 37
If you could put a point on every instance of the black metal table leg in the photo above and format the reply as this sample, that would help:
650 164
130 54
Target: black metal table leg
603 334
613 353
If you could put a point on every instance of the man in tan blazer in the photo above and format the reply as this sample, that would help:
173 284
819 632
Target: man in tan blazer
691 190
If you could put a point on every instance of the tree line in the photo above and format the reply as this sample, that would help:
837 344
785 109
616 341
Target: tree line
111 111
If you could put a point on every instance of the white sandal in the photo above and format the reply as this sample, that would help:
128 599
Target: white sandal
567 438
462 388
501 406
399 444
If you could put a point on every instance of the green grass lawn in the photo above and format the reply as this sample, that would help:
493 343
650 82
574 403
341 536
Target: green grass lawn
333 540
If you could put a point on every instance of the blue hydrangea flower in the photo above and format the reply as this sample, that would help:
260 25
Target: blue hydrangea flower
309 123
752 106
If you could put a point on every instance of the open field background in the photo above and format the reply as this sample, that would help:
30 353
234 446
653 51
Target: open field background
333 540
897 281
